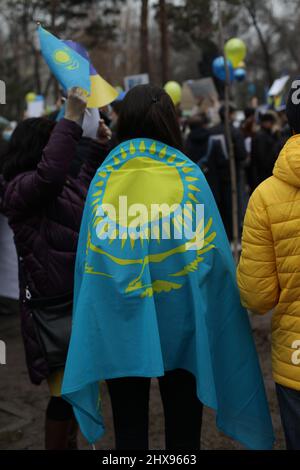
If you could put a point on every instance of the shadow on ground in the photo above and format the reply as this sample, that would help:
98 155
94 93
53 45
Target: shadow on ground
22 405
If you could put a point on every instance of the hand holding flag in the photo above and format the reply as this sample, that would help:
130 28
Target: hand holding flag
76 104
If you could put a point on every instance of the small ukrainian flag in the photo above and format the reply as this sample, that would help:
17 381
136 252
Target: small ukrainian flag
69 67
102 93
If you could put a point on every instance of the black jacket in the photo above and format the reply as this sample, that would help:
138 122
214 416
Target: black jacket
196 144
263 156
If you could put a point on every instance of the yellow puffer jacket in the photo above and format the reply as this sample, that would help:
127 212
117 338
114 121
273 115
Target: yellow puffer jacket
269 268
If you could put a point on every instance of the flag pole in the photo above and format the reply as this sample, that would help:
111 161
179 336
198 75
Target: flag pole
233 175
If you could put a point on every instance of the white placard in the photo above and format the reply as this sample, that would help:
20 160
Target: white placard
35 109
278 86
133 80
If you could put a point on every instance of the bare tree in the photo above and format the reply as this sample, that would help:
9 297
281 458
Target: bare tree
53 6
251 7
233 175
164 41
144 35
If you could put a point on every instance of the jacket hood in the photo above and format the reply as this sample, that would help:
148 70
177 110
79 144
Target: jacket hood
287 167
199 135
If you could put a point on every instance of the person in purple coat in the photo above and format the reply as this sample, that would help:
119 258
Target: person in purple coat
43 198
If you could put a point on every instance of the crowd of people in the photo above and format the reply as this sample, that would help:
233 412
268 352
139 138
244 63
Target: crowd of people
49 174
257 140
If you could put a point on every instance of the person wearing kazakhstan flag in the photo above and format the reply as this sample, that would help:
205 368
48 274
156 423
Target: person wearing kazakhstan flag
156 296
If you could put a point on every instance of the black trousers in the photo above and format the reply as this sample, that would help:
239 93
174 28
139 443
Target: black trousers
182 411
289 405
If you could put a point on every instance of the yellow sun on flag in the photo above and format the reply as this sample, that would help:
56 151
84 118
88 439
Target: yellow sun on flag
146 175
62 57
65 59
154 185
147 172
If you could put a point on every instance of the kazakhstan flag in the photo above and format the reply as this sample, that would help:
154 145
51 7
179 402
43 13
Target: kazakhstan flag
69 67
147 305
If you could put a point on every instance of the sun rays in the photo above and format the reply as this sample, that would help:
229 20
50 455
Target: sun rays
145 173
155 175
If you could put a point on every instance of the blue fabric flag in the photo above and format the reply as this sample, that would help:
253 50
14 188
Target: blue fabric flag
69 67
147 305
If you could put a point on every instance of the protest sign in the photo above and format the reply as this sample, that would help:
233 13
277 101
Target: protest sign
134 80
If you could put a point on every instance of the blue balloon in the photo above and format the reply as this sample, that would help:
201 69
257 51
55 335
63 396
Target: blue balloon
219 69
240 74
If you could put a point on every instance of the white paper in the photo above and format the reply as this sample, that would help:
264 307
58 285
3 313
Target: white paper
90 123
35 109
278 86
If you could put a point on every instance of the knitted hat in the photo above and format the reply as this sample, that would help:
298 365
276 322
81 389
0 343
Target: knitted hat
293 106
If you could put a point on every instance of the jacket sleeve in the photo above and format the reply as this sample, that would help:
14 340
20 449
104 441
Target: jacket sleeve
31 189
1 193
257 274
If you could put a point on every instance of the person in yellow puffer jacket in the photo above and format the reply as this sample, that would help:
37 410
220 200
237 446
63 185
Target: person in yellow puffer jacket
269 269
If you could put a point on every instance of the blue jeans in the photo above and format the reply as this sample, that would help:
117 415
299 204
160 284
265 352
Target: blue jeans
289 405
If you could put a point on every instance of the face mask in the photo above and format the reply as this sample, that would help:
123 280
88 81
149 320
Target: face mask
6 135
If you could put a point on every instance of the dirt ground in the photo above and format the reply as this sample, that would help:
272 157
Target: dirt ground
22 405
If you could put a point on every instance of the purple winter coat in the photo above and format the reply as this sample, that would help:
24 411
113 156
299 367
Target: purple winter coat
44 209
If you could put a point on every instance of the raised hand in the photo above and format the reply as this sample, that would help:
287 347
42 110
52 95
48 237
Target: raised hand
76 104
104 133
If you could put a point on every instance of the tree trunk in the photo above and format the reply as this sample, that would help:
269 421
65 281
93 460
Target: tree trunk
36 67
164 41
26 20
144 32
54 4
233 175
264 46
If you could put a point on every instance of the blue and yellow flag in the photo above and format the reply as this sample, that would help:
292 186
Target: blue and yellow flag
102 93
154 293
69 67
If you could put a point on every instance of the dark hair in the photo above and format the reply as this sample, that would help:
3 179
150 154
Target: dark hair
201 120
26 146
222 111
249 112
267 117
148 111
116 106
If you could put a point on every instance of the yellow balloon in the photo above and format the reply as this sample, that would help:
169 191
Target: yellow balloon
174 91
30 97
235 51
